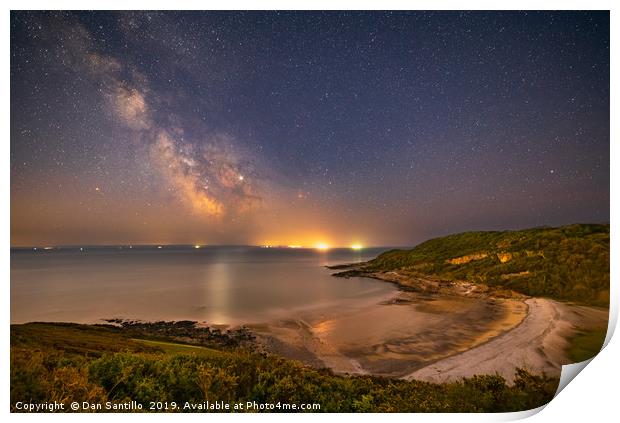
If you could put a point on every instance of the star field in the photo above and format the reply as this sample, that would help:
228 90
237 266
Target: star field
380 128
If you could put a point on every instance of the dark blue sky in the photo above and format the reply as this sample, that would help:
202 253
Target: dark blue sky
305 127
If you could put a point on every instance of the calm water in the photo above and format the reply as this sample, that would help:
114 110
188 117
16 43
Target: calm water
219 285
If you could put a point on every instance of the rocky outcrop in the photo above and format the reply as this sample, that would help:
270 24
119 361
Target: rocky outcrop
504 257
467 258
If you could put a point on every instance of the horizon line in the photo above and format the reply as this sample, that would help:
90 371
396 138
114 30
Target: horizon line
196 246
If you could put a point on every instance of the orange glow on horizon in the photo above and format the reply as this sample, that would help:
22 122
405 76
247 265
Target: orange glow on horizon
319 240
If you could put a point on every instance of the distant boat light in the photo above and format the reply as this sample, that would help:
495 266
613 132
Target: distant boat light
196 246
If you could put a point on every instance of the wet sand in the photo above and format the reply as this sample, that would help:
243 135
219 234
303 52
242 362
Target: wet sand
392 337
433 337
537 345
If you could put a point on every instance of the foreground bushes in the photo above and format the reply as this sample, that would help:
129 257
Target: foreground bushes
241 376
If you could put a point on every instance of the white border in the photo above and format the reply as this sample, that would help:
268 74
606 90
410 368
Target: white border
591 397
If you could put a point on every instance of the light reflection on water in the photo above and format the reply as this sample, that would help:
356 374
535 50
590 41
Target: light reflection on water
218 285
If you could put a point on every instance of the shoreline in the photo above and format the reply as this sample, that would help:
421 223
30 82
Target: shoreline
389 355
428 329
516 331
538 344
393 337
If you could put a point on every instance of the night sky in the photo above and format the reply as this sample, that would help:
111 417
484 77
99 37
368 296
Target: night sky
378 128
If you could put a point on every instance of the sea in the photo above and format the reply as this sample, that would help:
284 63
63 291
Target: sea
217 285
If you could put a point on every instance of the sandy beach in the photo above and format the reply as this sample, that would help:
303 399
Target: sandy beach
393 337
435 337
537 345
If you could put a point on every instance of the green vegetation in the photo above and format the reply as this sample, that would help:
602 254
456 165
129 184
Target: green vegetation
567 263
585 344
176 348
56 362
179 362
73 338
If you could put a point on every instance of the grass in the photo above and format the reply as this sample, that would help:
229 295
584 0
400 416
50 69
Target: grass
95 340
76 339
176 348
585 344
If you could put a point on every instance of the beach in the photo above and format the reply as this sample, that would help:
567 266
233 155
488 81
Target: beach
537 345
443 336
394 323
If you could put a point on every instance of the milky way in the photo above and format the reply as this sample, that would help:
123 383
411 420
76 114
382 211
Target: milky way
305 127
